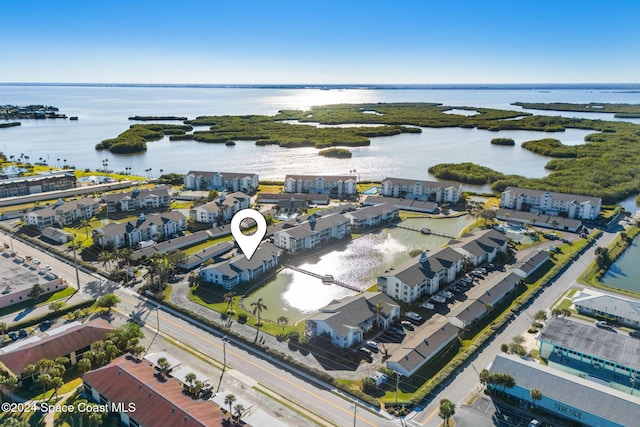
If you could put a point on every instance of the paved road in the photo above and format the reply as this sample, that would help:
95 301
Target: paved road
245 366
467 379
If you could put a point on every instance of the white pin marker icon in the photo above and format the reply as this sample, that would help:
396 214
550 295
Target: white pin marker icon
248 243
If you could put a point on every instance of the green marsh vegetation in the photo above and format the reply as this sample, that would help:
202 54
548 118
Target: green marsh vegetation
341 153
134 139
620 110
503 141
605 166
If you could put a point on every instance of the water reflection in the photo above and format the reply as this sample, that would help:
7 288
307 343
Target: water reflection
624 273
358 262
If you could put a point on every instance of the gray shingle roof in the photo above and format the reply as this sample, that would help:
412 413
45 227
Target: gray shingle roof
407 204
573 391
373 211
429 184
414 272
623 307
232 175
308 228
471 309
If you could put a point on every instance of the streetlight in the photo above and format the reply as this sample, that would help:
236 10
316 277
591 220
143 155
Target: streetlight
225 339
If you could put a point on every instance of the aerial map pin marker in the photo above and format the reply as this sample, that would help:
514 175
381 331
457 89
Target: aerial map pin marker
248 243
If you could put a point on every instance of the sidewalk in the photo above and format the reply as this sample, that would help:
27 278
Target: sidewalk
31 312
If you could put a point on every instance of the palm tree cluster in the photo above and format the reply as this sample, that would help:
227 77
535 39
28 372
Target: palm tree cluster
497 380
49 373
161 267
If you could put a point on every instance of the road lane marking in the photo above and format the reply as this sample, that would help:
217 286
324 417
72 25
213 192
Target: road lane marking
251 362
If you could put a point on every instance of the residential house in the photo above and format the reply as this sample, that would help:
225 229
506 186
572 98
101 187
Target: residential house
62 213
551 203
137 199
429 341
343 185
346 321
610 307
57 235
312 233
418 277
70 341
195 260
221 181
155 226
239 269
373 216
140 397
481 300
439 192
222 209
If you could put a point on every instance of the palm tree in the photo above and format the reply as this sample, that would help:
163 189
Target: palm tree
229 399
283 321
86 224
238 410
9 383
540 315
190 379
447 410
258 308
535 395
378 310
105 257
164 366
230 298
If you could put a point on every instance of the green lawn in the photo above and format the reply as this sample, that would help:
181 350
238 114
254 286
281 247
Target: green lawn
206 244
214 299
62 294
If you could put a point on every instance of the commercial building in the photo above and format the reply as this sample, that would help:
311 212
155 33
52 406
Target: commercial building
415 278
70 341
576 399
423 346
238 269
221 181
140 397
616 308
582 349
312 233
551 203
439 192
346 321
343 185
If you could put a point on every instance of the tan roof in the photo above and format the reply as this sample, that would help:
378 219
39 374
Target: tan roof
159 402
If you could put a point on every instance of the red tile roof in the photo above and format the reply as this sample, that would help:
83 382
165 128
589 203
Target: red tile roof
158 402
58 345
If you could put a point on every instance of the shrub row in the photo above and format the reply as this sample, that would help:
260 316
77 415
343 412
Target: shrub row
50 315
321 375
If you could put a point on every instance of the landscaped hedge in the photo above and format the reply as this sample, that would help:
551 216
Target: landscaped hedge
50 315
321 375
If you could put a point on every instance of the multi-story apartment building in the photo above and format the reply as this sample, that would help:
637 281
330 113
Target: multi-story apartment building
439 192
312 233
343 185
25 185
62 213
238 269
147 227
222 209
221 181
551 203
147 198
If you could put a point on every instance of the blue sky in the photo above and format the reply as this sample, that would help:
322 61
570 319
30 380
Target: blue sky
421 42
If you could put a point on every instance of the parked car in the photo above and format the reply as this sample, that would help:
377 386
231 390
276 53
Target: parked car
365 350
407 324
635 334
604 325
372 345
22 333
48 267
45 324
427 305
414 316
399 331
13 335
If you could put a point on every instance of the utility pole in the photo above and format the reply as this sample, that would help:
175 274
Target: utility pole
225 339
75 260
397 382
355 410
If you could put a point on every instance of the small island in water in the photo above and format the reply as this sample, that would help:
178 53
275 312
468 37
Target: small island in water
340 153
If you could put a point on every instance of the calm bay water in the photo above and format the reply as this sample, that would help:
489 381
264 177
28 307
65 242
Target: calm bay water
103 113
